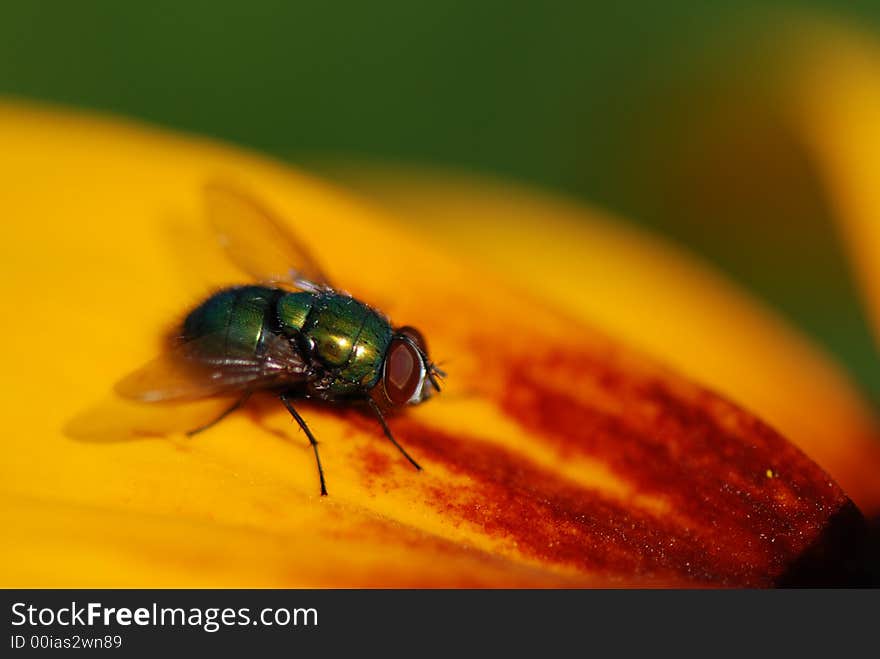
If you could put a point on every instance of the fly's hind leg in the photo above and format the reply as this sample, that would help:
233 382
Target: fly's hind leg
302 424
229 410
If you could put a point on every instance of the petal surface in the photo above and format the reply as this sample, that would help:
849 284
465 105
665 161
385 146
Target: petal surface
654 296
556 456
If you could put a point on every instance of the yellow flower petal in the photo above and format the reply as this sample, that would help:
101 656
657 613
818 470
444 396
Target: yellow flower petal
836 98
556 456
655 297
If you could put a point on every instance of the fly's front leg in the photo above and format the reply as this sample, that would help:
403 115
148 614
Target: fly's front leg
387 431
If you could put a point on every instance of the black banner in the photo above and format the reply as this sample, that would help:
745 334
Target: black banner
404 622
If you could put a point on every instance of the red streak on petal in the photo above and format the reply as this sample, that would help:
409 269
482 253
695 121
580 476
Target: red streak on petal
728 523
377 464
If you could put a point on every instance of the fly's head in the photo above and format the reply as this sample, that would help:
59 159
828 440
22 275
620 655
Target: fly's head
409 377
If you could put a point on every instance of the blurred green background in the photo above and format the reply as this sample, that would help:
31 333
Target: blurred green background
661 112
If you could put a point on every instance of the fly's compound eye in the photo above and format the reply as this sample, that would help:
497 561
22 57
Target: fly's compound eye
415 336
404 372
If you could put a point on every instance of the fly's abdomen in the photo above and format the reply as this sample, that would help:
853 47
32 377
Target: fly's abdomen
235 319
293 312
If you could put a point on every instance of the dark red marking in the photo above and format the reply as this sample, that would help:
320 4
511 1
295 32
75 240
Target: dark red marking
376 464
728 524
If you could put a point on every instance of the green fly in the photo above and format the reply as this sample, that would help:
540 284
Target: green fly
292 334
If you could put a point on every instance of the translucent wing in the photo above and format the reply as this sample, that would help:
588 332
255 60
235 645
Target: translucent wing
257 242
194 370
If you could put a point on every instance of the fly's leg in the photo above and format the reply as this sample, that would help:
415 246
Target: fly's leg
312 440
378 413
229 410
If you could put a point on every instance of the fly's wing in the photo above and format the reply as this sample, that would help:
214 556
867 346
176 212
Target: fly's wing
257 242
191 371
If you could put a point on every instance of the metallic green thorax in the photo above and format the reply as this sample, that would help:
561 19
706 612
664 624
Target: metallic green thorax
345 335
344 340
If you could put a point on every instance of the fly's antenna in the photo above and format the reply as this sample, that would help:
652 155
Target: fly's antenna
435 374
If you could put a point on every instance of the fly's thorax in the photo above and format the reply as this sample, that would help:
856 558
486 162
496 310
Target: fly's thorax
344 337
334 325
368 354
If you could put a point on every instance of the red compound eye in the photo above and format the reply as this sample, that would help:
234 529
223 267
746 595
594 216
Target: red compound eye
415 336
403 371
